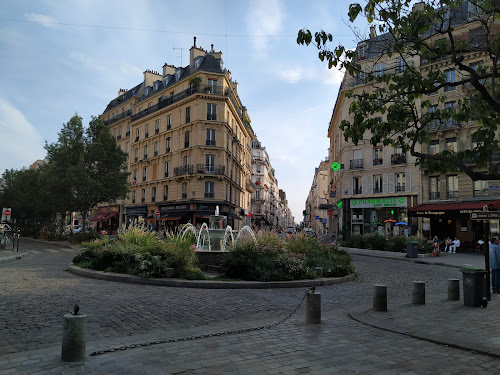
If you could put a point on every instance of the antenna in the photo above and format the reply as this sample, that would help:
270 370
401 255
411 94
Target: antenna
174 48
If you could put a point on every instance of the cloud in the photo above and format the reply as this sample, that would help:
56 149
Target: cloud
21 142
42 19
264 19
86 61
333 76
130 70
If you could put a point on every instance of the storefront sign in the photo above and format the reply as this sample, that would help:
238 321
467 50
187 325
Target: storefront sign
379 202
429 213
489 215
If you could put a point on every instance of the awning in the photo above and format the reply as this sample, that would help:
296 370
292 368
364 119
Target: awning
110 215
99 217
451 208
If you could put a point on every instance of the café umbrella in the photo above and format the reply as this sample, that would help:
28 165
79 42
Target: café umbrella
401 223
389 221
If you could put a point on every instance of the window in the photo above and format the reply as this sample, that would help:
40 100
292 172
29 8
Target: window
451 144
357 159
434 147
127 131
400 65
377 155
134 178
167 144
450 78
377 183
478 68
136 154
184 190
145 151
400 181
167 164
136 134
157 126
434 187
450 107
360 78
156 149
120 132
153 194
211 112
186 139
481 188
210 163
362 51
433 123
144 173
452 186
165 192
257 194
143 195
210 137
212 83
209 189
133 196
186 161
146 134
379 70
257 168
357 186
188 114
169 122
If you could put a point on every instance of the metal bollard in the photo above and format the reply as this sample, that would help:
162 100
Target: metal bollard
319 271
74 338
418 293
379 297
453 289
313 307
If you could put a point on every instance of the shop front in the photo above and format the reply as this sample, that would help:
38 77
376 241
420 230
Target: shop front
106 219
136 214
454 220
387 216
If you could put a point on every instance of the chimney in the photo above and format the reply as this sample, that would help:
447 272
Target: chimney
121 91
194 42
373 32
212 49
168 69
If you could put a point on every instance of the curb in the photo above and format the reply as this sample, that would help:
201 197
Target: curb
56 243
10 258
206 284
385 327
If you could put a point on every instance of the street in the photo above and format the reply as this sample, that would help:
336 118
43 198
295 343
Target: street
36 291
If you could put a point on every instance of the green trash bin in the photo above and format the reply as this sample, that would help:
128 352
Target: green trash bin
474 287
412 249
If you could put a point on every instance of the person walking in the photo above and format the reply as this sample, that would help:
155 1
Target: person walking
495 264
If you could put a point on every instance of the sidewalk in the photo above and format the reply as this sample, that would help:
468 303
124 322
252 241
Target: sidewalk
441 321
7 255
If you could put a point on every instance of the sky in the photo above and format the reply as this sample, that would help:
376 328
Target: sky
59 58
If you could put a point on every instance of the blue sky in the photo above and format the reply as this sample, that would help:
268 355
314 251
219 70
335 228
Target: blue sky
60 58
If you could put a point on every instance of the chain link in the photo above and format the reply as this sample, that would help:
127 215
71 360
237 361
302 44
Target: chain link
189 338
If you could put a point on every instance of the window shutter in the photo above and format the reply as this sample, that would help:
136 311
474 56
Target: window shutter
392 183
349 186
155 170
369 186
385 186
408 182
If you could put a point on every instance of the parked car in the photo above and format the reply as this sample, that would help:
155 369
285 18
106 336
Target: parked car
290 229
309 232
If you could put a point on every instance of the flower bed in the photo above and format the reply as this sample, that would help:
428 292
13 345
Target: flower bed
274 259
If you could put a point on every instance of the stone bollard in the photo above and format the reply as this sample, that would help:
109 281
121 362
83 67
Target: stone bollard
418 293
379 297
319 271
74 338
313 308
453 289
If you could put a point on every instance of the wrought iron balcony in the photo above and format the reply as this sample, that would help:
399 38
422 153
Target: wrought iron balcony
211 169
118 137
452 194
482 193
434 195
356 164
398 159
127 134
209 195
400 188
136 139
184 170
357 191
377 161
119 117
184 195
377 190
155 153
157 131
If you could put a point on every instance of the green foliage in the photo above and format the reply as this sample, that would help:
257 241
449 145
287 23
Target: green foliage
396 244
141 253
376 242
273 259
85 237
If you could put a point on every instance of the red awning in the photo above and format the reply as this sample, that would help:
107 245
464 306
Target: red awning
478 206
99 217
110 215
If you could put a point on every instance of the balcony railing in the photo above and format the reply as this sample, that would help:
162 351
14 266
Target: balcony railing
400 188
398 159
118 137
377 161
127 134
157 131
209 194
211 169
155 153
143 178
356 164
184 195
452 194
434 195
357 191
185 169
377 190
481 193
136 139
119 117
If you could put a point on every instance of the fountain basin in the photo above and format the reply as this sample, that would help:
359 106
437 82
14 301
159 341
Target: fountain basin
210 260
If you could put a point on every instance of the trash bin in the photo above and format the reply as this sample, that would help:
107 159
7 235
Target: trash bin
412 249
473 286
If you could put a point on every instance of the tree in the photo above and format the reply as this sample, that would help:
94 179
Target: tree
87 166
397 107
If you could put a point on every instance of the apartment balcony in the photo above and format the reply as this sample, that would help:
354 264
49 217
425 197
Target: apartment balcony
481 193
434 195
184 195
452 194
398 159
377 161
209 195
119 117
184 170
400 188
211 169
356 164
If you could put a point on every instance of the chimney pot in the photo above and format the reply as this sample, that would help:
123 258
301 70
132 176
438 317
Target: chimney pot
194 45
373 31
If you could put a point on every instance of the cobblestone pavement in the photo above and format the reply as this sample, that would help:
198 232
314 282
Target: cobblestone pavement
36 291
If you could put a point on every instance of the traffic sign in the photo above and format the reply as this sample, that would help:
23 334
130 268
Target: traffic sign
485 215
157 214
6 214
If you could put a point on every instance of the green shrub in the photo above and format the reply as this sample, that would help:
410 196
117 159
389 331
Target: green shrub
423 244
396 244
78 238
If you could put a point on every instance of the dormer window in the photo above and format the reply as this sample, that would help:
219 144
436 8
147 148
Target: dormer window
146 91
156 86
177 74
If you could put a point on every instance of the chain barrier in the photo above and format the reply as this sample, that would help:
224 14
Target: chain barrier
189 338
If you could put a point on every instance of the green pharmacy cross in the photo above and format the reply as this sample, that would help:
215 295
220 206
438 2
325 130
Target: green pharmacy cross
336 166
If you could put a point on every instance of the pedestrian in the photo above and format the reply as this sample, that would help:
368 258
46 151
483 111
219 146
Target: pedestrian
456 243
436 242
495 264
447 244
